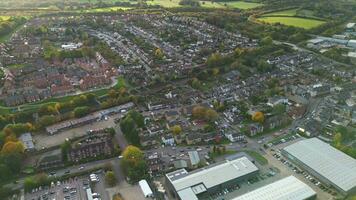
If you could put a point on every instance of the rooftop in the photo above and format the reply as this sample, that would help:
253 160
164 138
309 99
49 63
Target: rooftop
202 179
330 163
289 188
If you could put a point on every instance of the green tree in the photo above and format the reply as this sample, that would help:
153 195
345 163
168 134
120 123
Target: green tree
176 129
110 178
81 111
65 148
134 164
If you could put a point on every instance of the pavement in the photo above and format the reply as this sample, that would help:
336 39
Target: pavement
47 141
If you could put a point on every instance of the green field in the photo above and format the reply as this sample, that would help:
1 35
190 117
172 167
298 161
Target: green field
290 12
207 4
4 18
242 5
164 3
293 21
107 9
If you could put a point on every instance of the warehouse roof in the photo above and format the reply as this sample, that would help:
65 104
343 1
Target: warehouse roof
330 163
287 188
202 179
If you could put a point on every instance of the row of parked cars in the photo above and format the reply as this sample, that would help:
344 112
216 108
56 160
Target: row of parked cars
304 173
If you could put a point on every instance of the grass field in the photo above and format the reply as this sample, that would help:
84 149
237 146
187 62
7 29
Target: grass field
293 21
290 13
4 18
165 3
207 4
108 9
242 5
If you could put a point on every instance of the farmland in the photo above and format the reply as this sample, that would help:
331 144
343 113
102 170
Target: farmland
293 21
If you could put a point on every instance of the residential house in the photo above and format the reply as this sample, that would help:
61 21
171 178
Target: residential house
168 140
51 161
234 137
255 129
273 101
155 164
193 138
90 147
147 140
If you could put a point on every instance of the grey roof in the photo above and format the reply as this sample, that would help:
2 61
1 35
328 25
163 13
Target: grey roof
287 188
194 157
328 162
202 179
26 139
187 194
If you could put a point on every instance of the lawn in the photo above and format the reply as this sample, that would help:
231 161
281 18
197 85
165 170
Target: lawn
242 5
165 3
293 21
107 9
258 157
4 18
290 13
209 4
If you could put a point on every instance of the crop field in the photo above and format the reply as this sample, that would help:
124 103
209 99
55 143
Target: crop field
293 21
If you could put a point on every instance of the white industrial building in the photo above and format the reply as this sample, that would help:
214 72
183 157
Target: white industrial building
147 192
326 163
289 188
202 182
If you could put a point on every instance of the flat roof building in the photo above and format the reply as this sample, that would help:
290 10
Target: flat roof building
289 188
329 165
199 183
147 192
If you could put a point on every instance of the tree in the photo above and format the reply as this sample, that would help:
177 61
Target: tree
134 164
5 172
198 112
138 118
46 120
12 147
279 109
267 41
176 129
110 178
65 147
159 54
258 117
196 84
81 111
211 115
